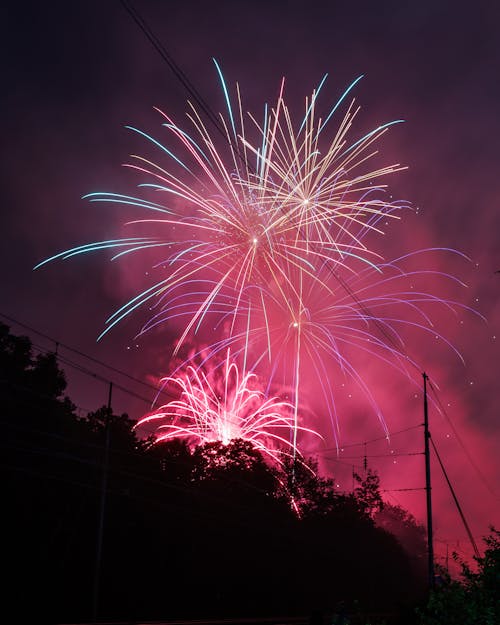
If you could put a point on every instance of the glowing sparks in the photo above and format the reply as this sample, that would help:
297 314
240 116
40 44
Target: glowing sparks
215 407
278 204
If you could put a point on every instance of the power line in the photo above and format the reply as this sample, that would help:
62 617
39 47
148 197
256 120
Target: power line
455 499
88 372
372 440
395 455
462 444
98 377
401 490
82 354
182 77
347 464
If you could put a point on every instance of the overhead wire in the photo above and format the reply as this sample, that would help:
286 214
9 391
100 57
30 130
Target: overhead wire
480 474
82 354
180 74
455 499
372 440
394 455
401 490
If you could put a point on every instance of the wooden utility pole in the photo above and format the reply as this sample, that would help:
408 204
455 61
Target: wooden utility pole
427 436
104 486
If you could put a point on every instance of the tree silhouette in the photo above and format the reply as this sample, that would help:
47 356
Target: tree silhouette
475 598
367 493
211 531
411 535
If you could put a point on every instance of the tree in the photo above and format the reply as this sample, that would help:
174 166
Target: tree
45 377
367 494
15 355
474 599
238 457
308 493
410 534
213 523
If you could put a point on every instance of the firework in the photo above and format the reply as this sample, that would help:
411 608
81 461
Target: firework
264 239
271 205
337 323
214 407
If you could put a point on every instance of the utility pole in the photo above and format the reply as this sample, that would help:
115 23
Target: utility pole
104 485
427 436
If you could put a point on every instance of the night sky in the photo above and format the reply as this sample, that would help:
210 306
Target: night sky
76 73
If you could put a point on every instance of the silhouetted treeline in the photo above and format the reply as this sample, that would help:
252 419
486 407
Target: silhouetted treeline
206 533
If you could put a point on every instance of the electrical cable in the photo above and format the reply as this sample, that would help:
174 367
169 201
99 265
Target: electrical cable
455 499
82 354
183 78
462 444
373 440
395 455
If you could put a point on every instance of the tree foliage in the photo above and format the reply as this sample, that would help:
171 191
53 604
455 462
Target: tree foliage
474 599
367 492
207 532
410 534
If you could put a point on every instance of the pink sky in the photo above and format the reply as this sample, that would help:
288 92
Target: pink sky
81 77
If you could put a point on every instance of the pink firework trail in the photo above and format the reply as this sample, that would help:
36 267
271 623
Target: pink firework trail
225 407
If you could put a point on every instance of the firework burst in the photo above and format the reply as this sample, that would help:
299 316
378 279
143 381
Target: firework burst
224 407
263 239
271 205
